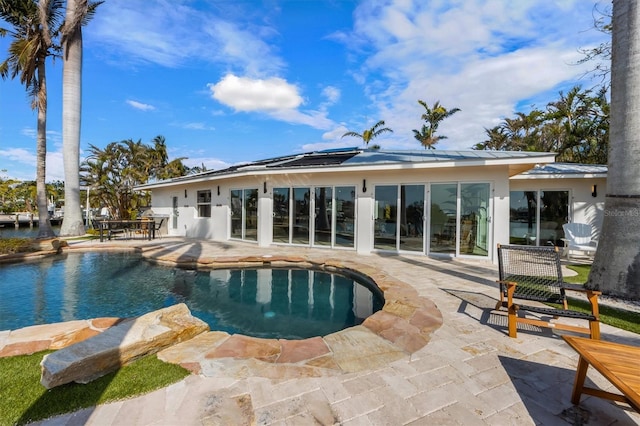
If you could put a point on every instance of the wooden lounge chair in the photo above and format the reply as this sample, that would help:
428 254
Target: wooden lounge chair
534 273
577 237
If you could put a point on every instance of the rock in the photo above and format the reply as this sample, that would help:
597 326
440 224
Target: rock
119 345
54 244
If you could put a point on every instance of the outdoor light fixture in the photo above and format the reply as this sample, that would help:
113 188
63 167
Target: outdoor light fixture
364 185
594 190
185 193
218 190
264 187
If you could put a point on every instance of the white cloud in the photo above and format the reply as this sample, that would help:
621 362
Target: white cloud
332 94
335 133
247 94
173 33
139 105
483 56
196 126
22 164
209 163
273 96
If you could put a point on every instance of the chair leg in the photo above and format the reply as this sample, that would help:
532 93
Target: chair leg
513 322
594 326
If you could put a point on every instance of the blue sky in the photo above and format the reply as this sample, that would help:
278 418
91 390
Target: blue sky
229 81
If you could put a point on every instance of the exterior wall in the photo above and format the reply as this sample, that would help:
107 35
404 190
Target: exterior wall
501 214
584 207
217 227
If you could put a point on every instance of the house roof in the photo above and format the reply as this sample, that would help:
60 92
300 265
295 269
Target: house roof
350 159
564 170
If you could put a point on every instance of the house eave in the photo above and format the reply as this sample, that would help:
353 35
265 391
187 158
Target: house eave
515 167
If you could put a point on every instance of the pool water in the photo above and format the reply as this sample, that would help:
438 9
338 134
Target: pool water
268 303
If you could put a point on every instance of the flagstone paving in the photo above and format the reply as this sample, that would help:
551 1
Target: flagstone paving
399 367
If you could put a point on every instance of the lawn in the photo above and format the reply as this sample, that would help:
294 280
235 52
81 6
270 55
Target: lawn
620 318
23 399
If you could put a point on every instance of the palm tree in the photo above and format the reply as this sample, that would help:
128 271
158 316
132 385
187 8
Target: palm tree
78 13
369 134
114 171
616 267
34 26
433 117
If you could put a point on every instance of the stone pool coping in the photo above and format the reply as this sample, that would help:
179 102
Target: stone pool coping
403 326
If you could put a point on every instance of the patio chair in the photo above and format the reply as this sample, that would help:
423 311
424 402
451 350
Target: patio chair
577 237
534 273
116 229
157 227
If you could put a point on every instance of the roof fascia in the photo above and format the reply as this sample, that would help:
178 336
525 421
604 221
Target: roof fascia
515 164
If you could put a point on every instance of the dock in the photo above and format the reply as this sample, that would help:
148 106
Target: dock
22 219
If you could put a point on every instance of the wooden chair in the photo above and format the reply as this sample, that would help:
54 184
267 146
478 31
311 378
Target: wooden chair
534 273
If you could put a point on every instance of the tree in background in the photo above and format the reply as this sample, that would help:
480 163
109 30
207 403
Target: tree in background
78 13
34 27
616 267
369 134
114 171
576 126
601 54
433 116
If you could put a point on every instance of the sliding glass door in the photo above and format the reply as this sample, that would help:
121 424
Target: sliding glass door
474 219
281 209
386 217
324 216
536 217
399 228
344 211
332 223
444 213
460 221
244 214
301 206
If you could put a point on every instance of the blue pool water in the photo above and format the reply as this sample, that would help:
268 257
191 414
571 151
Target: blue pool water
269 303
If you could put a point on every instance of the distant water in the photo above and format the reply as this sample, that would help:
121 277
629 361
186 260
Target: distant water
10 231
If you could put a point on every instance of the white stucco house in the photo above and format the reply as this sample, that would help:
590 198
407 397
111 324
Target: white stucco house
431 202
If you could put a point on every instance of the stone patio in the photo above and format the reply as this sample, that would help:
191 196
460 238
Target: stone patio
399 367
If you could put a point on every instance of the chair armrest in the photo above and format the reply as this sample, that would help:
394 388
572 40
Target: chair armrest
565 241
580 288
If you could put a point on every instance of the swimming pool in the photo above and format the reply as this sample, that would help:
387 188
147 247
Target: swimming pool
268 303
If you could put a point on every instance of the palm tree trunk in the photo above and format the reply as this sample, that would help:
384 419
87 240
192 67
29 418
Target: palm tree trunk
44 226
72 224
616 268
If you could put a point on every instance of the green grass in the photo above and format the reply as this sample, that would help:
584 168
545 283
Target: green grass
23 399
583 274
15 245
620 318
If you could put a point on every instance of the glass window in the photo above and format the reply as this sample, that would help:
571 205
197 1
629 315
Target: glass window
204 203
444 213
474 218
301 200
536 217
411 217
345 209
385 215
236 213
323 217
523 217
281 215
251 214
554 212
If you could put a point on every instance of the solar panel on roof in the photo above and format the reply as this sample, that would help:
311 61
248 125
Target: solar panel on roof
316 160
